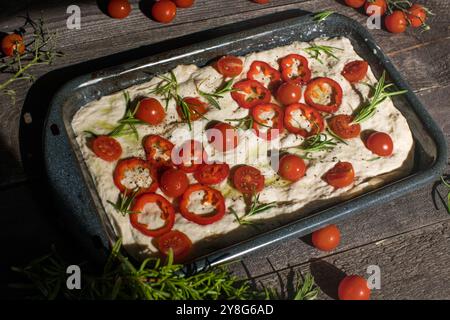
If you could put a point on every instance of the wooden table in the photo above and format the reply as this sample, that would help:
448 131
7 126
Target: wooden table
408 238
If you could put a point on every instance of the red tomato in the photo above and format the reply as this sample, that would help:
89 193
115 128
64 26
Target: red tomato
355 71
12 44
380 143
184 3
355 3
289 93
324 94
396 22
267 120
190 156
210 197
292 167
306 113
353 288
378 5
138 209
229 66
173 182
158 150
164 11
248 180
178 242
119 9
262 72
150 111
342 126
261 1
294 67
341 175
249 93
327 238
106 148
195 107
212 173
223 137
128 176
416 15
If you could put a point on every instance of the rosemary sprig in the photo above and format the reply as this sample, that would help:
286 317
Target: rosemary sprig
321 16
447 184
368 110
315 50
213 98
255 208
318 142
244 123
167 87
128 122
307 289
124 201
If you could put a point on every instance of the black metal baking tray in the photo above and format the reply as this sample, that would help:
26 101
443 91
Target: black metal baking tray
73 186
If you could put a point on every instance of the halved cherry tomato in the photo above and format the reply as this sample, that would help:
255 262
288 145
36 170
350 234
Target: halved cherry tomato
223 137
416 15
138 209
267 120
262 72
151 111
355 71
355 3
299 115
184 3
341 175
396 22
353 288
190 156
210 197
119 9
229 66
106 148
289 93
213 173
133 173
178 242
249 93
294 67
158 150
324 94
372 7
173 182
195 107
292 167
164 11
248 180
12 44
380 143
327 238
342 126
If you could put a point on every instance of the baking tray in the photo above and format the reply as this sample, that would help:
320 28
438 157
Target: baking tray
72 184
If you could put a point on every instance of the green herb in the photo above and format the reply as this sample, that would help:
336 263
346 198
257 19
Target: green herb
168 87
368 110
255 208
244 123
213 98
128 123
315 51
124 202
321 16
306 289
447 184
186 110
334 135
374 159
318 142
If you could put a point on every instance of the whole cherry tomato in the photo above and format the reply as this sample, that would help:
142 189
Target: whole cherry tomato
341 175
327 238
416 15
184 3
164 11
150 111
374 6
289 93
119 9
292 167
174 182
396 22
353 288
355 3
380 143
13 43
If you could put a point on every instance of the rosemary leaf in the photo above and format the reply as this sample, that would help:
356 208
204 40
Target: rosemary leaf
314 51
318 142
213 98
255 208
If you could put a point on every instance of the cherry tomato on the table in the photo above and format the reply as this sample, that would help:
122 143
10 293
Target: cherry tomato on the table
106 148
355 71
133 174
303 120
184 3
164 11
195 109
355 3
267 120
229 66
173 182
249 93
353 288
177 242
150 111
374 6
324 94
380 143
158 150
119 9
341 175
208 197
248 180
223 137
416 15
261 1
342 126
12 44
294 67
292 167
396 22
262 72
289 93
167 214
190 156
213 173
327 238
